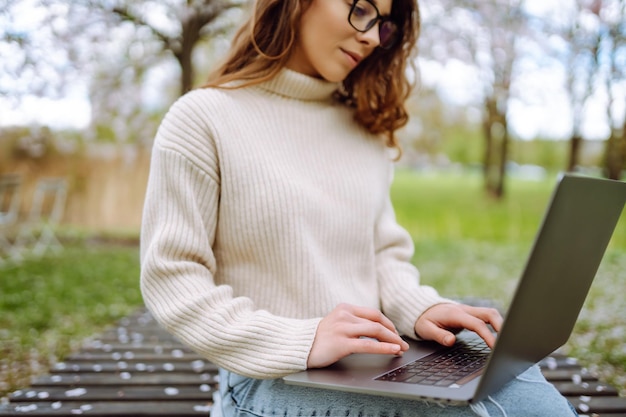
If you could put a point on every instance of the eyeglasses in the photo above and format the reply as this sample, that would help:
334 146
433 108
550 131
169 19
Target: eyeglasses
364 15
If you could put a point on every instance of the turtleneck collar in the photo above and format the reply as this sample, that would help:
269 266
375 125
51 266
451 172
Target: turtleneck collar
298 86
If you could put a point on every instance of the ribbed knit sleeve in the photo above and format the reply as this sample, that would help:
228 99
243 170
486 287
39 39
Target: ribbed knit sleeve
178 264
403 299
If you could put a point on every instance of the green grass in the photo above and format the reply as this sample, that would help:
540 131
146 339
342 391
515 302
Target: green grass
455 207
50 305
466 246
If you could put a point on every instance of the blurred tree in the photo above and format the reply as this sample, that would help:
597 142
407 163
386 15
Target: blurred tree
483 33
26 61
117 49
134 44
190 23
581 62
595 35
611 15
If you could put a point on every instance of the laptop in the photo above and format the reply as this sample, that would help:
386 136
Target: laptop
576 229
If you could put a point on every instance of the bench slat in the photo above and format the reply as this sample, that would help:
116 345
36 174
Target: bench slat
110 409
599 405
148 366
123 378
593 388
199 393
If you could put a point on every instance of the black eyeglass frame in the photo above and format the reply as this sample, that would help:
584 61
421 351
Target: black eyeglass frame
372 23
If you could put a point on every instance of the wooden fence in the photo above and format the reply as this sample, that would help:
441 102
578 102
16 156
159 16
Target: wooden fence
106 185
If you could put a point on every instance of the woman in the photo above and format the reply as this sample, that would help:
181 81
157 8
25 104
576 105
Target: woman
269 243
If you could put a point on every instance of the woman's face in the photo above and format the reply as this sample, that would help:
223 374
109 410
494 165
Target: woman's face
328 46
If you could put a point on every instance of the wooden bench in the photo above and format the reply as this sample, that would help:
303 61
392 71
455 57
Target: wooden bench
137 369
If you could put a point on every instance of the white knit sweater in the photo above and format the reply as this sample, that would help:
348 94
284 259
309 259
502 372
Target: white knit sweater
266 207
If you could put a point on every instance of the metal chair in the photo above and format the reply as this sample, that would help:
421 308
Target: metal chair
37 234
10 193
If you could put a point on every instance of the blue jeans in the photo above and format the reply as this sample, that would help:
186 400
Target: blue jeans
527 396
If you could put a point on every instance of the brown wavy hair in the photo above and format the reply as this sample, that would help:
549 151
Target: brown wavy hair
376 89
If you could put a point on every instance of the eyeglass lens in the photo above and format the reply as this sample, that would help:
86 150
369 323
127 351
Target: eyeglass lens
364 15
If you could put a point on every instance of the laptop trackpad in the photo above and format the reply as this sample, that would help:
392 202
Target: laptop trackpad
368 362
376 364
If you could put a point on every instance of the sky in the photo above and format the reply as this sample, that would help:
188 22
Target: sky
73 111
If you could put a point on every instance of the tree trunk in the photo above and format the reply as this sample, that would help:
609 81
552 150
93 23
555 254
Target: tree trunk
574 152
504 158
496 149
614 157
189 38
186 68
623 144
489 147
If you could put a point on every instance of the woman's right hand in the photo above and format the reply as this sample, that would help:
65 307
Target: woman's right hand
350 329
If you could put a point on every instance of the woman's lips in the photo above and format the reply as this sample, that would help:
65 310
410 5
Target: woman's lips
353 57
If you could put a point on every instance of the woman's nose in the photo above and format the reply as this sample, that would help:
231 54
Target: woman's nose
371 36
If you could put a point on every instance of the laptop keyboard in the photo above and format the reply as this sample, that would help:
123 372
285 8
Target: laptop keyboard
445 368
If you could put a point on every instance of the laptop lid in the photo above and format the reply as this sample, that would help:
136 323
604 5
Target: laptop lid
567 252
564 259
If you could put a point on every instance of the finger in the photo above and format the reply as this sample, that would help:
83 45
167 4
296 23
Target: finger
368 345
374 315
373 323
431 331
487 315
478 326
374 330
484 332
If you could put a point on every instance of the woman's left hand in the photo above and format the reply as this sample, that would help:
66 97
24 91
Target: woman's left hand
441 321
